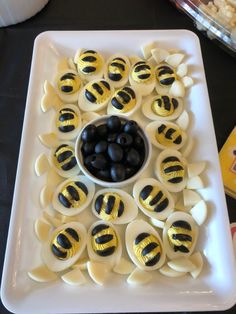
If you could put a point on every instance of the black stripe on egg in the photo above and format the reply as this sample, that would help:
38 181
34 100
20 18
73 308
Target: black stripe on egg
97 88
64 201
146 191
110 204
98 203
73 192
82 186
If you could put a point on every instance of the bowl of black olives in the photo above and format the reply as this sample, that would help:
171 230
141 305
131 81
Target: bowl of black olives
113 151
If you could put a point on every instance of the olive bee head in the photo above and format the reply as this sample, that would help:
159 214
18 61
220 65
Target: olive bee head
73 194
124 99
109 206
153 199
164 105
142 72
98 92
89 62
64 157
69 83
180 236
165 75
147 249
117 69
65 244
104 240
67 120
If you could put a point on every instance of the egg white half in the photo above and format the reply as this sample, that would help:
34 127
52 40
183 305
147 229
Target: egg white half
147 110
51 261
73 211
72 134
111 260
151 129
171 219
132 231
172 187
65 174
130 207
139 185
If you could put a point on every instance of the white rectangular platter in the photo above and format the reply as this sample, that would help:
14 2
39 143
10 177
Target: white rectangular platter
215 289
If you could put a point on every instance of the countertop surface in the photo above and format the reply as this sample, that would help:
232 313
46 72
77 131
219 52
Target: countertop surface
16 44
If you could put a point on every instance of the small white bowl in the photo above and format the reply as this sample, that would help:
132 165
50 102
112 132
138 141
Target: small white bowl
79 157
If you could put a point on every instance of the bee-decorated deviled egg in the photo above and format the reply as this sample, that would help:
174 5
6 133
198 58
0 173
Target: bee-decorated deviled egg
89 63
142 77
166 135
117 70
180 235
64 246
165 76
125 101
104 244
144 245
170 169
73 195
162 107
95 95
114 205
68 85
153 198
62 159
68 122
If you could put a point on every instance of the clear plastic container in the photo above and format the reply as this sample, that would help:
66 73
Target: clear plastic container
216 18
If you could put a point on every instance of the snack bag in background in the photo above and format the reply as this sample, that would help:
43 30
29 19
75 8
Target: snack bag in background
228 164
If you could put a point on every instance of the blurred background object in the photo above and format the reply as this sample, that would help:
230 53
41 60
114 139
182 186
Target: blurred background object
15 11
216 18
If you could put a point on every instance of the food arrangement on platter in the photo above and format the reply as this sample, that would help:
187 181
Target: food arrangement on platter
162 218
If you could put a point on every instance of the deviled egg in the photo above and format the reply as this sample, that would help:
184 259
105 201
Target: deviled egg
162 107
180 235
125 101
170 169
114 205
144 245
153 198
62 159
64 246
117 70
166 135
89 63
104 244
67 122
73 195
68 85
165 76
142 77
95 95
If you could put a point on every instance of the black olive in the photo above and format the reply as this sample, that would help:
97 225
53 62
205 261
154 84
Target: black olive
114 124
104 174
131 127
124 139
89 133
129 171
102 131
138 142
111 138
117 172
115 152
88 148
99 161
101 147
133 157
